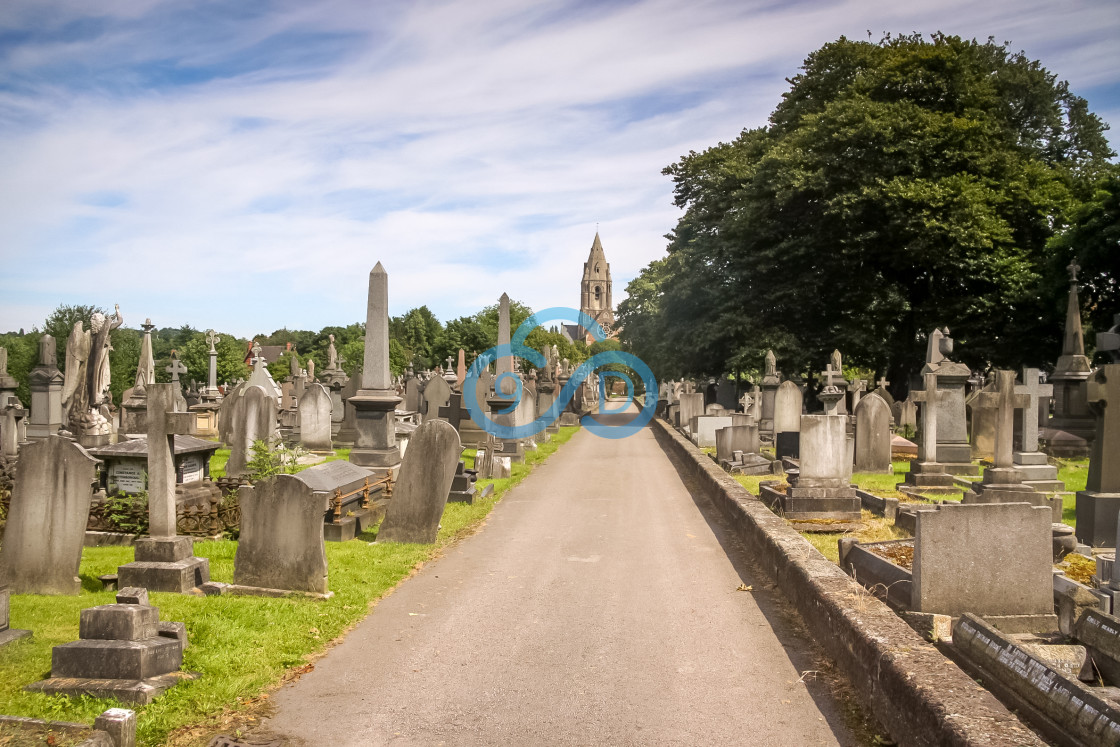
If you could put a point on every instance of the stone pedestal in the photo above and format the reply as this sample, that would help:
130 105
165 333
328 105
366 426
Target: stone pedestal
165 564
462 485
1005 485
123 651
46 393
1037 472
821 494
375 445
204 419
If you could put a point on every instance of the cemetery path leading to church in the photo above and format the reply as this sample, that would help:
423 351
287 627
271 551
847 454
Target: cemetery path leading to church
598 605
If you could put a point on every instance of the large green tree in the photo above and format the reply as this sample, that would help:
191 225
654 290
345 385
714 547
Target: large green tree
899 186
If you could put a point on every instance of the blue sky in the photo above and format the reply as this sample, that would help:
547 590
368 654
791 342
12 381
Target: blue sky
242 166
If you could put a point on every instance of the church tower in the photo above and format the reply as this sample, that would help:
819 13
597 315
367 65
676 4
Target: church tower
595 290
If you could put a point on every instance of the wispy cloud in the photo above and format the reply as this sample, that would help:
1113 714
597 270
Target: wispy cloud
242 166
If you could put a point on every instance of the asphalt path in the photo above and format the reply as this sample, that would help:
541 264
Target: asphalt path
600 604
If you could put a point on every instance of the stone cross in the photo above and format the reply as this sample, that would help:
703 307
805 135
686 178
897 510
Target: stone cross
830 375
454 412
212 380
258 360
882 382
929 398
175 368
1033 391
1004 400
857 387
163 425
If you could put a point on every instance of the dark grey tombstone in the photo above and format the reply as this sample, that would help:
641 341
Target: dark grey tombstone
46 526
423 485
281 542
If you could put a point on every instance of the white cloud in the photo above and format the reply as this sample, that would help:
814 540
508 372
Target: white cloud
471 147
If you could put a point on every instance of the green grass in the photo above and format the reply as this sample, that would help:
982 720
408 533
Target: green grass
221 458
241 646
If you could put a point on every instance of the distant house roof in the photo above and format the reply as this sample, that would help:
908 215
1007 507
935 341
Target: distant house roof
270 353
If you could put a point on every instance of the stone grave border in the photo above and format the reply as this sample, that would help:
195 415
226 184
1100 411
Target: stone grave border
912 689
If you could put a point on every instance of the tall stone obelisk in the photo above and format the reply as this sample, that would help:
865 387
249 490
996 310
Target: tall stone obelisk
376 400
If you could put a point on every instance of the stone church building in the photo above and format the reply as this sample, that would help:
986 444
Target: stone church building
595 295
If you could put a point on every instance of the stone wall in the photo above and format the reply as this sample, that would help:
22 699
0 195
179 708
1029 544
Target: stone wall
918 695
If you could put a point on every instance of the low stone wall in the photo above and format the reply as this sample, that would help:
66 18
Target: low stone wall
918 695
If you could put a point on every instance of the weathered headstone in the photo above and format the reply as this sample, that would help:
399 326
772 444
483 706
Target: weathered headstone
873 435
46 525
436 396
982 423
993 560
281 542
315 418
1071 427
691 406
925 471
788 405
821 490
423 484
46 392
251 417
1099 503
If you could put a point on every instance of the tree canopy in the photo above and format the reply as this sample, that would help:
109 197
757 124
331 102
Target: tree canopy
899 186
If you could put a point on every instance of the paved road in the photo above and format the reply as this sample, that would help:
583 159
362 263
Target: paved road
597 606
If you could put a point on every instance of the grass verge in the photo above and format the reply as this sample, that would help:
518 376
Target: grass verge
241 646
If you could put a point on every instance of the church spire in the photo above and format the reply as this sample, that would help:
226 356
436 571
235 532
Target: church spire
595 290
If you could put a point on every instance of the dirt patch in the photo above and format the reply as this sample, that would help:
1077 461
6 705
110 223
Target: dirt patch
901 554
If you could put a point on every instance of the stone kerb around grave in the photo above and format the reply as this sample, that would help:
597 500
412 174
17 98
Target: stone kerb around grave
281 543
42 547
423 485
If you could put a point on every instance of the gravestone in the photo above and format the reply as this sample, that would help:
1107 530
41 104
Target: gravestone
1003 483
953 450
704 429
873 435
164 561
1071 427
768 390
7 633
46 526
462 485
788 405
725 393
281 542
423 484
123 651
1032 464
691 406
1099 503
315 418
251 417
46 392
926 472
993 560
982 423
346 432
821 490
375 402
436 396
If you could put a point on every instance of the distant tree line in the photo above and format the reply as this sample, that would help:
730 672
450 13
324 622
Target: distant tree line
899 186
417 339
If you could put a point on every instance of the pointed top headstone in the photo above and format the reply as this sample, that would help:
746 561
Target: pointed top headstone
375 371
